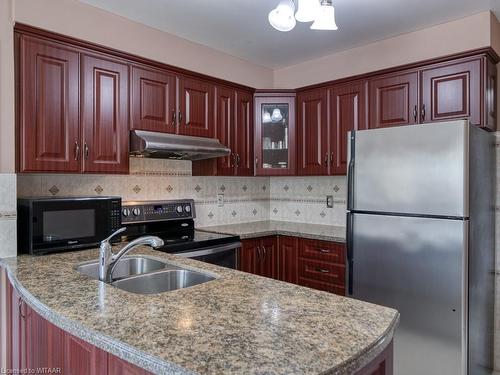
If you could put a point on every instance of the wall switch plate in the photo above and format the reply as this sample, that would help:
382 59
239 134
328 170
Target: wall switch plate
329 201
220 200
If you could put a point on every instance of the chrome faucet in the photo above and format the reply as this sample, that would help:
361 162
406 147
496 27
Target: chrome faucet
108 260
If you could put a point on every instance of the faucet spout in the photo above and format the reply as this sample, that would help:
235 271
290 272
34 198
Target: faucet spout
108 260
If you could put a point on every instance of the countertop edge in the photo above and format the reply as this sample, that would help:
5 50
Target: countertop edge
106 343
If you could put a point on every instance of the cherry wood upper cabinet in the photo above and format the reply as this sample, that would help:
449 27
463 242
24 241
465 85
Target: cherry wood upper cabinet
244 134
312 133
48 116
394 100
153 104
490 96
226 129
348 111
105 115
452 91
196 108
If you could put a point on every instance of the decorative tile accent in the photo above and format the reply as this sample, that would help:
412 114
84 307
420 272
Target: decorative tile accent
254 212
322 214
137 189
197 188
210 215
98 189
297 212
222 188
169 188
336 188
286 187
244 187
309 188
233 213
275 210
264 187
54 190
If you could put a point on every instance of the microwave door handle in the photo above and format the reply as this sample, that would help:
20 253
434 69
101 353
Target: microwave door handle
349 253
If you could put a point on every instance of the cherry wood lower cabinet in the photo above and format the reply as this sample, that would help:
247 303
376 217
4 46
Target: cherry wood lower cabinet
312 263
33 342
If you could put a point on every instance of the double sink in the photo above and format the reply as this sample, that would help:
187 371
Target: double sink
142 275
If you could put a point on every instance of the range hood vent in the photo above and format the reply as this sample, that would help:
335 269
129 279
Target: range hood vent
172 146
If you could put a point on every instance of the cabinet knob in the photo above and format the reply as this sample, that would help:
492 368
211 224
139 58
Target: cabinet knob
237 160
423 112
86 150
77 150
326 158
180 118
415 113
331 157
258 252
256 162
173 117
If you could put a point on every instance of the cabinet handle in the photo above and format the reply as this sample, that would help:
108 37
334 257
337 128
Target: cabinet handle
322 270
258 252
423 112
415 113
264 251
331 157
323 250
173 117
86 150
77 150
326 158
20 304
256 162
180 118
237 160
232 160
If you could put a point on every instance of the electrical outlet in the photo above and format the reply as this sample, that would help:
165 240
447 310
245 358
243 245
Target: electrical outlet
220 200
329 201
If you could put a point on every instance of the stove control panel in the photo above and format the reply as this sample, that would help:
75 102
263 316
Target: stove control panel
137 211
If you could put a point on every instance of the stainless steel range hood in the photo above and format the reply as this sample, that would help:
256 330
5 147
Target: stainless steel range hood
172 146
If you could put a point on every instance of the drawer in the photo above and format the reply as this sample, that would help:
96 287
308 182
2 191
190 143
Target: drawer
322 271
322 250
319 285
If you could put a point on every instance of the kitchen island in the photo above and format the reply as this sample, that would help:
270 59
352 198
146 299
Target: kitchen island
236 324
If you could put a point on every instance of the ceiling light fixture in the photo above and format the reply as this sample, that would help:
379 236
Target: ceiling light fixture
282 17
307 10
325 18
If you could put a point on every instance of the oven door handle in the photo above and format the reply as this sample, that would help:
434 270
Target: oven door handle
210 250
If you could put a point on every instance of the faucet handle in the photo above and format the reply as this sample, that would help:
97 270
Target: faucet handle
122 229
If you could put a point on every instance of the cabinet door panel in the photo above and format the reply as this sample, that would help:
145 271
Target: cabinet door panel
196 100
348 112
248 255
268 257
288 259
80 357
490 94
312 133
49 138
153 100
394 100
117 366
452 92
226 129
244 134
105 115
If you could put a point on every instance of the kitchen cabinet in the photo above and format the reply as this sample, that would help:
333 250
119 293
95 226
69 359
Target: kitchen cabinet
153 100
117 366
260 256
226 129
81 357
394 100
274 142
196 107
312 133
452 91
248 255
105 115
48 119
244 134
288 259
348 111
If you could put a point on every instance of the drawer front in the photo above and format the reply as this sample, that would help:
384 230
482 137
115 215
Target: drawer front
327 287
322 250
316 270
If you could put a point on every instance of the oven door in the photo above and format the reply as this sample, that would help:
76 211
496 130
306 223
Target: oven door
226 255
69 224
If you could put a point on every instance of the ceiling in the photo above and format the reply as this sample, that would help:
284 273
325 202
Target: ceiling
240 27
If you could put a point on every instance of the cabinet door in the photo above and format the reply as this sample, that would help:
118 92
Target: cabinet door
226 130
248 255
274 135
196 108
268 265
312 133
348 111
490 96
394 100
153 105
117 366
49 137
452 91
244 134
288 259
105 115
80 357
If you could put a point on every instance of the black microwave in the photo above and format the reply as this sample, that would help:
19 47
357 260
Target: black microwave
47 225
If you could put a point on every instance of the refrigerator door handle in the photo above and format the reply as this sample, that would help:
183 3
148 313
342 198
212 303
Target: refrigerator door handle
349 252
350 171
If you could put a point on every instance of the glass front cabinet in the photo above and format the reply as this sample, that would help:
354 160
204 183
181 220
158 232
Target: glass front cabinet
274 134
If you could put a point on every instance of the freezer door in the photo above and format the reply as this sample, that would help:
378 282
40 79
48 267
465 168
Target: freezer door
415 265
419 169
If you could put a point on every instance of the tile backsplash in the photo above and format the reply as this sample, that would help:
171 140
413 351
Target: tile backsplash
8 227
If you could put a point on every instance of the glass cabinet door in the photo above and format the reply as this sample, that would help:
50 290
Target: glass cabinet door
275 127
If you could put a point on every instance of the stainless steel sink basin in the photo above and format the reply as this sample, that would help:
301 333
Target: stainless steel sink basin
126 267
162 281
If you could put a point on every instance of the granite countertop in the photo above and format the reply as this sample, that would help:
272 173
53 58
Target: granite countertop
284 228
237 324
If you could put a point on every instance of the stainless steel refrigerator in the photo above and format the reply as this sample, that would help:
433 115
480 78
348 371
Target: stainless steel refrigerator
420 239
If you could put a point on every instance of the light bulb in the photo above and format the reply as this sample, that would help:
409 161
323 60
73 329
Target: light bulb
308 9
325 19
282 17
276 116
